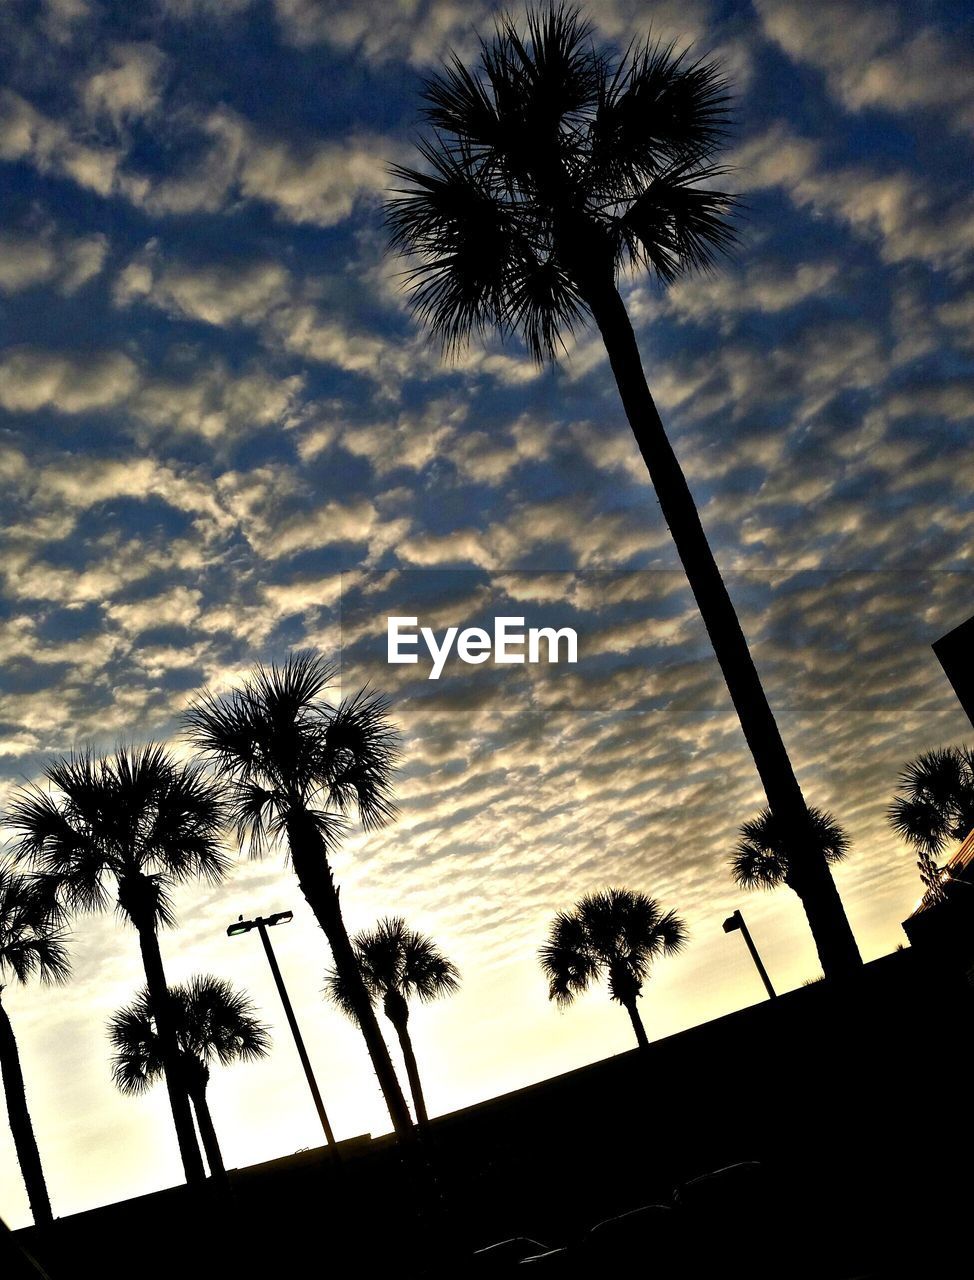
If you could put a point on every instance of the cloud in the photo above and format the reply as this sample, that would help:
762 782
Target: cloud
910 218
32 379
217 293
423 32
303 180
45 257
177 607
128 85
27 134
872 59
760 286
215 403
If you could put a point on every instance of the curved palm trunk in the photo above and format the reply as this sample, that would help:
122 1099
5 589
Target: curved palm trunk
398 1015
25 1143
140 905
637 1024
833 936
196 1083
318 886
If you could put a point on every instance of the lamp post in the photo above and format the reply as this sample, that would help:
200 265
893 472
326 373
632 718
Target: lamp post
261 925
736 922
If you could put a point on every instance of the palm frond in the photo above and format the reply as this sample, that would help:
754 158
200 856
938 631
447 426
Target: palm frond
219 1023
68 831
338 990
32 941
676 225
361 748
462 238
656 107
138 1059
567 959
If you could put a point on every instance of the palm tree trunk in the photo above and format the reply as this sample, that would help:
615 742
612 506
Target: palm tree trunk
211 1144
25 1143
833 936
318 886
412 1070
143 917
637 1024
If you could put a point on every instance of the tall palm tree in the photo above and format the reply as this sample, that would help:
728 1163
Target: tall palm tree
297 766
553 168
765 853
31 944
213 1023
397 963
615 934
142 823
935 806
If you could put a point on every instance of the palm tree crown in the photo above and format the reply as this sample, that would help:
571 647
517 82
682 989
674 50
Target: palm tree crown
936 804
616 933
289 752
763 858
31 920
134 816
214 1023
554 164
396 963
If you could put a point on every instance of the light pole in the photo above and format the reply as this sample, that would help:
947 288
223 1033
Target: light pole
736 921
261 925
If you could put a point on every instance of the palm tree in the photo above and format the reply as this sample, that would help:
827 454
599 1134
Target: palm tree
615 934
297 765
31 944
396 963
764 856
552 169
213 1023
143 823
936 806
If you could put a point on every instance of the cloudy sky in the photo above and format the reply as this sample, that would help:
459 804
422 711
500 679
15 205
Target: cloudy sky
223 437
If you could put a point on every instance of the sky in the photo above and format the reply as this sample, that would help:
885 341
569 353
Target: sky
223 437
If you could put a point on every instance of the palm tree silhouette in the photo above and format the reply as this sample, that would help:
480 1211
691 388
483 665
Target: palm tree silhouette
31 944
213 1023
297 766
552 169
615 934
144 823
397 963
936 806
764 857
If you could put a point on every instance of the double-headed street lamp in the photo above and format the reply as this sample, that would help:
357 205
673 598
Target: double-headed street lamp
261 925
736 922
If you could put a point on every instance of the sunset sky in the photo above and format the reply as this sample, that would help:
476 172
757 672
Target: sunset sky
222 437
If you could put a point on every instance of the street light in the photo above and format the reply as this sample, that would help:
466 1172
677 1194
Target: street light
240 926
735 922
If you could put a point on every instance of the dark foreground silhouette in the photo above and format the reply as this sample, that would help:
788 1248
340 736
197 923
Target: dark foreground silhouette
818 1107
